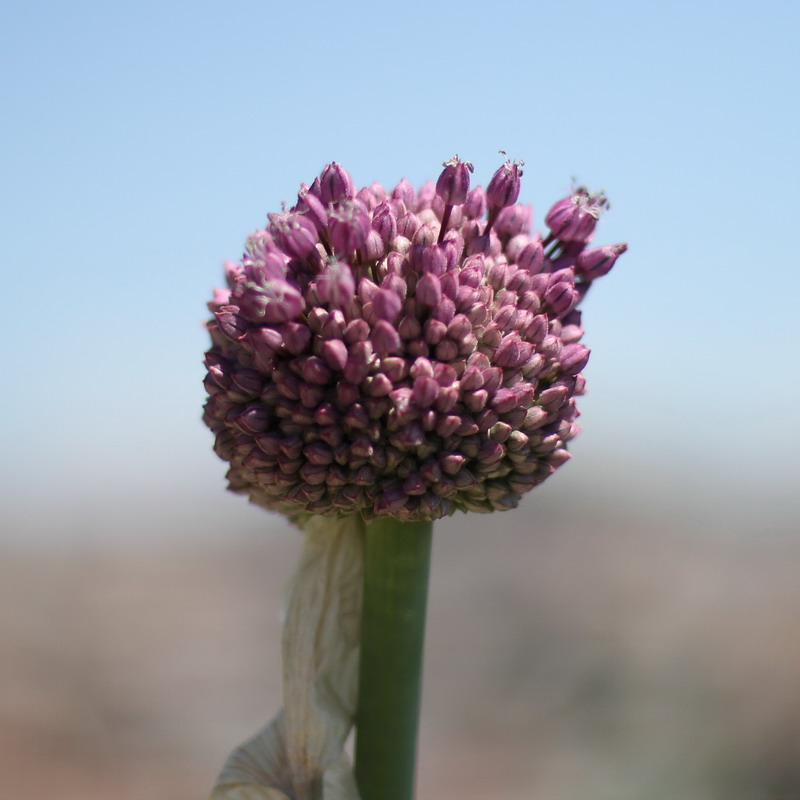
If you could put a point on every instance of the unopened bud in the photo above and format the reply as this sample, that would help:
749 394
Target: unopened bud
335 184
598 261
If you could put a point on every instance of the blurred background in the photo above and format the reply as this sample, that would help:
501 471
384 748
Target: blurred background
629 632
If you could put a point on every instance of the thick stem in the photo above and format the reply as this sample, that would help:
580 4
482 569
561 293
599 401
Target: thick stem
445 220
396 566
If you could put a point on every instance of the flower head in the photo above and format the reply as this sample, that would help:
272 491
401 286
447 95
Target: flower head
395 353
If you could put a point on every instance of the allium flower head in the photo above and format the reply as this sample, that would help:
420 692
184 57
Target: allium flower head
396 353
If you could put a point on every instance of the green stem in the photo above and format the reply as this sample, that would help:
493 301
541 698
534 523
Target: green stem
396 566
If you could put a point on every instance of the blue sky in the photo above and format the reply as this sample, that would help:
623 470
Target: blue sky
142 142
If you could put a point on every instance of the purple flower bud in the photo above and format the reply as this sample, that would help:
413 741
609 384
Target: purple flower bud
378 385
273 266
408 225
445 374
334 326
425 391
386 338
368 198
512 351
367 290
275 301
336 286
348 227
357 330
459 327
361 447
571 333
503 188
500 431
504 317
516 244
295 234
479 245
396 264
452 463
393 282
472 275
453 183
471 379
450 285
265 342
539 285
384 222
531 257
445 310
378 192
426 195
312 207
561 297
356 417
254 419
414 484
426 235
574 218
429 290
409 328
447 425
447 399
373 248
513 219
536 329
296 337
405 191
421 368
492 378
257 246
553 398
334 353
475 206
231 323
433 260
335 184
574 358
314 370
476 401
598 261
221 297
491 452
519 282
387 305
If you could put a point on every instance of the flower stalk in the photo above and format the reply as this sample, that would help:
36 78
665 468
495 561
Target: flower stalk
387 358
396 567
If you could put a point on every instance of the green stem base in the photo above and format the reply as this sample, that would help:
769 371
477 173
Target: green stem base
396 567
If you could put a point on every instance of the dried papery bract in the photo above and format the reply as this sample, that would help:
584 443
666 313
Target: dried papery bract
301 750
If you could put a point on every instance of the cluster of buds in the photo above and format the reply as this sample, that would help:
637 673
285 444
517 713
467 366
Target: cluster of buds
402 353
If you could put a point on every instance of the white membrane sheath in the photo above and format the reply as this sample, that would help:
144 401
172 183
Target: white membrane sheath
301 751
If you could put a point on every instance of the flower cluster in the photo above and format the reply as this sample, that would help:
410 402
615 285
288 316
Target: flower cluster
403 353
